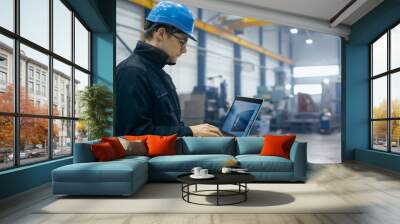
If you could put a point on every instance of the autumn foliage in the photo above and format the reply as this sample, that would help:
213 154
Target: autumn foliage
33 131
380 127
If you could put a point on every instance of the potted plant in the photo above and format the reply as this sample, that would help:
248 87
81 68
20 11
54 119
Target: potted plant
96 104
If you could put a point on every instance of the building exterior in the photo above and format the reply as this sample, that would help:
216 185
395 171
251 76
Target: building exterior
34 80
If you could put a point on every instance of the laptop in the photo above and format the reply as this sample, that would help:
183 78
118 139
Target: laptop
241 116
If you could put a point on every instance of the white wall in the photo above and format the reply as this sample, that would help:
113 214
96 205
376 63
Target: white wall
129 25
184 73
219 61
250 72
323 51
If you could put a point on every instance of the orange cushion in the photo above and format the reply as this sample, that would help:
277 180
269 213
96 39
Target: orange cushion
161 145
277 145
116 145
103 152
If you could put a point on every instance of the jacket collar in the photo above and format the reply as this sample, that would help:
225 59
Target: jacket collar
154 55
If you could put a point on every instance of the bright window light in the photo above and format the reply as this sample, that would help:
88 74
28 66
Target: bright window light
309 41
294 30
308 88
315 71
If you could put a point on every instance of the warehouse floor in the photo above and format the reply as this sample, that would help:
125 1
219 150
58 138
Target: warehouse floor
322 148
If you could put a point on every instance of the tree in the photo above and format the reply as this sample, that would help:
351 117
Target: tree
33 130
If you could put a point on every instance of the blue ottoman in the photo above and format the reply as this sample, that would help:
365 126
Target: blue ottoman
119 177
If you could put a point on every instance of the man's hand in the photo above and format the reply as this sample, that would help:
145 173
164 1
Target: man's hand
205 130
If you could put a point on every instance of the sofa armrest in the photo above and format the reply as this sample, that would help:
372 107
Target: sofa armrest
298 155
83 152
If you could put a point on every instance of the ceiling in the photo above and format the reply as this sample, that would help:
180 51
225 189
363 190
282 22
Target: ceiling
317 15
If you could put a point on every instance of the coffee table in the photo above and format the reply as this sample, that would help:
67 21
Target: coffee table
238 179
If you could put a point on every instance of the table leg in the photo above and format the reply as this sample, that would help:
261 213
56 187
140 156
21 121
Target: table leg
245 193
217 194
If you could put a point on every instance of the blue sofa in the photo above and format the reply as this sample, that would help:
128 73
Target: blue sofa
125 176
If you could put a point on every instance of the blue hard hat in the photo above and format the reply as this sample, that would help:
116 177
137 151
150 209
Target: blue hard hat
174 14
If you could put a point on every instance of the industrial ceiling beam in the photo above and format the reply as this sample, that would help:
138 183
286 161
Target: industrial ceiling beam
272 15
247 22
226 35
346 11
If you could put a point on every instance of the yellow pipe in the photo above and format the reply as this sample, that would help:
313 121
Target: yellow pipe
225 34
248 22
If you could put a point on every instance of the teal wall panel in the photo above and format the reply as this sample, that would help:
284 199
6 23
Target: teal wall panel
24 178
356 92
103 58
377 158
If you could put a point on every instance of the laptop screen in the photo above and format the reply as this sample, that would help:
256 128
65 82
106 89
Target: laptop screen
241 116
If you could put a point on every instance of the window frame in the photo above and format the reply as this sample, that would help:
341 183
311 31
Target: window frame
16 114
388 74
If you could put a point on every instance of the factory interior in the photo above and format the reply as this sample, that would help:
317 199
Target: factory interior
326 72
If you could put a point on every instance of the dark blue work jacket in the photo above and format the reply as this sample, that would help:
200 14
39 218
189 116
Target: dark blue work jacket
146 98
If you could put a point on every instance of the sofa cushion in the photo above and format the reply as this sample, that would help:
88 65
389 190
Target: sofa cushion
277 145
116 145
249 145
135 147
185 163
206 145
112 171
257 163
103 152
161 145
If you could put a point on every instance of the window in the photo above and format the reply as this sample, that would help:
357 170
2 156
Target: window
7 84
81 45
3 71
63 75
7 14
37 74
3 61
34 25
44 91
54 126
30 87
38 89
62 29
3 78
385 97
30 72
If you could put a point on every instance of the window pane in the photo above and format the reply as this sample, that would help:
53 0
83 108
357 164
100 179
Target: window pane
395 94
395 136
62 29
33 140
35 21
379 97
81 131
379 55
6 142
6 74
81 45
395 47
62 138
81 81
34 97
62 89
379 135
7 14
